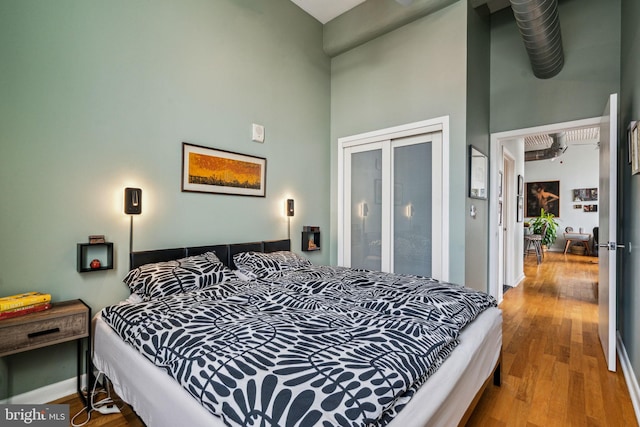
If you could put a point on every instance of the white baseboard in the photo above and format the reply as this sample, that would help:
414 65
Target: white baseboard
629 376
519 279
46 394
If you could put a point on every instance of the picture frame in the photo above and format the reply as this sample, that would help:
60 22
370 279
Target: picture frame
520 185
499 184
211 170
635 149
478 168
397 192
630 130
520 209
585 194
542 195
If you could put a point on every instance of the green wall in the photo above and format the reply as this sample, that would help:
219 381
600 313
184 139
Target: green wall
629 274
413 73
478 74
591 40
96 96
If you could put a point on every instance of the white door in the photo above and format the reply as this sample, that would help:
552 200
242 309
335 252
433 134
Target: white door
508 219
607 231
393 206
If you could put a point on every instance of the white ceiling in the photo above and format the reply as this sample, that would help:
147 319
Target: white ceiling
585 136
325 10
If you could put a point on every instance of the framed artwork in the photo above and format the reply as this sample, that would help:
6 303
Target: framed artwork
630 131
590 208
478 167
209 170
499 184
520 185
635 149
585 194
397 192
543 195
520 213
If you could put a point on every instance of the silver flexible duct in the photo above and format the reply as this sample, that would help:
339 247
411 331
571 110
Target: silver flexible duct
539 26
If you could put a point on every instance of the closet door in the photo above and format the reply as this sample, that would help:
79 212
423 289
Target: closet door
413 201
364 197
392 193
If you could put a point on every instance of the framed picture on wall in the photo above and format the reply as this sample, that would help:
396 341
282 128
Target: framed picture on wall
630 130
585 194
635 149
520 185
209 170
543 195
520 213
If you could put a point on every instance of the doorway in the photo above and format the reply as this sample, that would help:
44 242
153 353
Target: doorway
503 264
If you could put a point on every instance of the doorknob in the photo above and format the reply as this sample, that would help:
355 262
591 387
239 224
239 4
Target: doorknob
610 245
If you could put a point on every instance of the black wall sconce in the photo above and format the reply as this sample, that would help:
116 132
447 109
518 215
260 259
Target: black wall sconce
132 206
290 211
132 201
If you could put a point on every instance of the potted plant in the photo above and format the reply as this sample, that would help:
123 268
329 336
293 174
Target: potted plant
551 233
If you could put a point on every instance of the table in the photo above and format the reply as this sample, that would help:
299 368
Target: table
64 321
577 238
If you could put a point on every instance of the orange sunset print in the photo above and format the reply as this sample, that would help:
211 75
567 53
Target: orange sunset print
212 170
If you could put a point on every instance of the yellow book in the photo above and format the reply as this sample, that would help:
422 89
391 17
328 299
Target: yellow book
21 300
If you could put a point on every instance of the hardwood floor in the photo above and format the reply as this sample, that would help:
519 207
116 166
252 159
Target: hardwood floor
554 372
553 368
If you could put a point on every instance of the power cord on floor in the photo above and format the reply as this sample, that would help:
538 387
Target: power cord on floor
105 405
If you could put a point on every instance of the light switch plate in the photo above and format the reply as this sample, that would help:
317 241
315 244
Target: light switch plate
257 133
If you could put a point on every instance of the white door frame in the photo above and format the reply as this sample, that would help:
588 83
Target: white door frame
495 258
438 124
509 204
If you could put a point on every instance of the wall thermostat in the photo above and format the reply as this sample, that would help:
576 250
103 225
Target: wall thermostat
257 133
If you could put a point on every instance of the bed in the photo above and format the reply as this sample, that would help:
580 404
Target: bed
444 394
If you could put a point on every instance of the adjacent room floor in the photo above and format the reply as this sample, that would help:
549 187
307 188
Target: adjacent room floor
554 372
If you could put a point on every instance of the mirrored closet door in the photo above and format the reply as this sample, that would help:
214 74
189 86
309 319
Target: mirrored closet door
392 199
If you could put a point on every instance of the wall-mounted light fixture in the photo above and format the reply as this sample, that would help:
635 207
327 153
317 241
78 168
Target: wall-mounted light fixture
289 209
132 206
132 201
364 209
409 211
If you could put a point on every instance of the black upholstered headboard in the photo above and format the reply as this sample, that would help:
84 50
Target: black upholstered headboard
224 252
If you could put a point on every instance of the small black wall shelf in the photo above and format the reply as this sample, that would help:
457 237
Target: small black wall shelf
310 238
87 252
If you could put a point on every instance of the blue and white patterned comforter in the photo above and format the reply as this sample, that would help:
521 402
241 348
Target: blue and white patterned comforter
317 346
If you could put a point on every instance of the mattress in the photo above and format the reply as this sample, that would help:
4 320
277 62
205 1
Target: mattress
442 401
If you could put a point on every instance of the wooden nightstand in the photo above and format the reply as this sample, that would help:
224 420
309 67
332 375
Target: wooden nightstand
64 321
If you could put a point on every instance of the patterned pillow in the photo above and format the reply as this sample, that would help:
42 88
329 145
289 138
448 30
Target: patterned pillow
261 265
160 279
